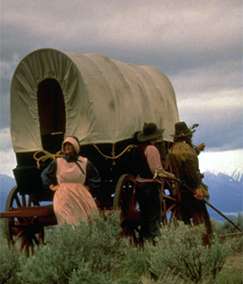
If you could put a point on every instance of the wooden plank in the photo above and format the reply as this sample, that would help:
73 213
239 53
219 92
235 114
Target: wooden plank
37 211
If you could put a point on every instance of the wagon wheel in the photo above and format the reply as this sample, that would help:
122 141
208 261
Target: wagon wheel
125 182
168 208
125 201
169 199
24 233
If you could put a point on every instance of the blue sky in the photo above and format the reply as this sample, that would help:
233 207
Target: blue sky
197 44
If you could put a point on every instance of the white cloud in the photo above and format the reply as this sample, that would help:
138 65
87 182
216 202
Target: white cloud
7 156
209 78
7 67
220 116
227 162
8 162
197 43
169 24
215 101
5 139
158 23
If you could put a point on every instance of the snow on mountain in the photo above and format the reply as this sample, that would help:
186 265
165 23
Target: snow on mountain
226 192
237 175
224 162
234 175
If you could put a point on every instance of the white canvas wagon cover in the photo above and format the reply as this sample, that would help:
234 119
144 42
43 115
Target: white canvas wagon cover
106 100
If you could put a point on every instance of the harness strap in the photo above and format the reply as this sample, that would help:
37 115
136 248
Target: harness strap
79 166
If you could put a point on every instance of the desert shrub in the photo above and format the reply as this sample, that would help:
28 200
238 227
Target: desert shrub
236 243
85 275
87 252
180 250
228 228
227 232
133 266
9 263
94 253
68 246
217 226
166 278
54 262
226 277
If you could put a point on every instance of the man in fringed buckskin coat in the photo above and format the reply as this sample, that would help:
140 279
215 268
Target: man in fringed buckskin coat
183 159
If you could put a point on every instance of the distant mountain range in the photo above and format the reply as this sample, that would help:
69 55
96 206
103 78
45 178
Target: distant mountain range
237 175
226 192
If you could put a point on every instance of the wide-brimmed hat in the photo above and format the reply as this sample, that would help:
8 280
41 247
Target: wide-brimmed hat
150 132
182 130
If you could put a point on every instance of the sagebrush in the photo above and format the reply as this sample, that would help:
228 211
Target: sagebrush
95 253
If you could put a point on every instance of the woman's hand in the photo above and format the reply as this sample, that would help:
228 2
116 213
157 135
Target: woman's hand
54 187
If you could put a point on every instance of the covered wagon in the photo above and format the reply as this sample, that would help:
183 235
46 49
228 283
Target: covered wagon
100 100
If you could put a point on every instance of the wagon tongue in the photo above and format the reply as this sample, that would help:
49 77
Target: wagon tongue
37 211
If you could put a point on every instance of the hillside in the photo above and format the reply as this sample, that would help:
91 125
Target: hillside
226 193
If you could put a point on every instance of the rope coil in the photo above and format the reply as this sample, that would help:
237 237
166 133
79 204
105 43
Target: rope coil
113 156
43 155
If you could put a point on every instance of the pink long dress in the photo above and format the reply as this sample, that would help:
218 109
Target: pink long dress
72 201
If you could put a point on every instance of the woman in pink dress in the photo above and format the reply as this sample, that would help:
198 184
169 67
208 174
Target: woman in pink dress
73 178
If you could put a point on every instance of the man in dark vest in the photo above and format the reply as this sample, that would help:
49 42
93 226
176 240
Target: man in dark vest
147 163
183 158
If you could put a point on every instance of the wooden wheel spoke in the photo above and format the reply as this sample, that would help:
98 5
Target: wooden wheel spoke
22 221
15 230
41 236
35 202
29 201
29 247
24 244
25 233
170 208
23 200
17 201
19 235
27 220
35 239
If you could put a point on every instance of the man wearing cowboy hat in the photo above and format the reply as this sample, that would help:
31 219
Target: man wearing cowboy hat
183 158
148 161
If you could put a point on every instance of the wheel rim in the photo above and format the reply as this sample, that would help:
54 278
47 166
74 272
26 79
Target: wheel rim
24 233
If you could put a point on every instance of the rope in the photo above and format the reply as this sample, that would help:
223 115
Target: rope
113 156
44 156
